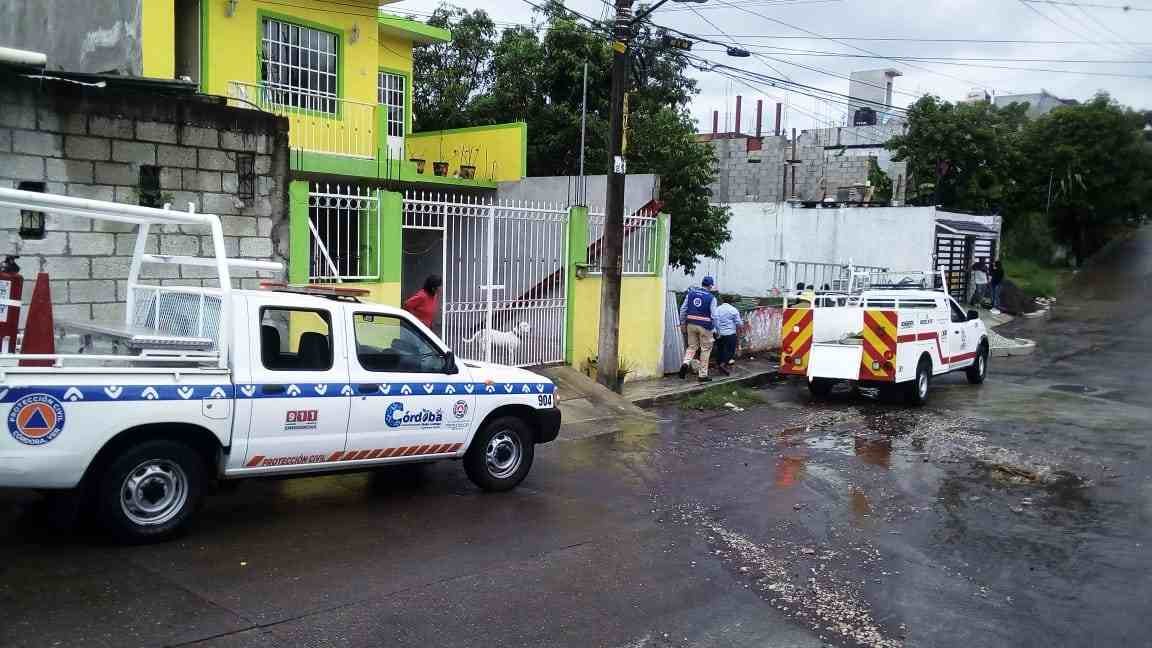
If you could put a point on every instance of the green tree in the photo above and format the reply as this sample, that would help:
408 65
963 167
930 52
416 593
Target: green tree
880 181
969 153
536 75
449 75
1098 162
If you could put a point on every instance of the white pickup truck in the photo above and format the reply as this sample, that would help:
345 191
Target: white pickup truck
887 330
209 384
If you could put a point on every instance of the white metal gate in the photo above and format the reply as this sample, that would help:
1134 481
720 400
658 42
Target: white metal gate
505 291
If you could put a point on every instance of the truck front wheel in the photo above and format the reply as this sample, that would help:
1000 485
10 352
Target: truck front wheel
500 455
150 491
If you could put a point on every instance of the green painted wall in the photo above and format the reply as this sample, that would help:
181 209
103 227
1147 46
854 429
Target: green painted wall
577 255
298 235
391 235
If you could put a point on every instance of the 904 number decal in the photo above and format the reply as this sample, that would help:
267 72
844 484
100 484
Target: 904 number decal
545 400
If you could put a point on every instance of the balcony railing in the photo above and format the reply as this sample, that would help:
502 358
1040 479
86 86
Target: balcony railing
318 123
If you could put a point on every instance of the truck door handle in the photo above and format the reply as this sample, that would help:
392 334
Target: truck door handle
366 388
273 389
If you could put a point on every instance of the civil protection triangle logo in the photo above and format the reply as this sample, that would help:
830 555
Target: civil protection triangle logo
36 419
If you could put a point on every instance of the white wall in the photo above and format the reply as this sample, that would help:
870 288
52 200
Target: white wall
901 238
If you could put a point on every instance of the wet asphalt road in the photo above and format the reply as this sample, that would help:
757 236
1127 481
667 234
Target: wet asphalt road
1018 513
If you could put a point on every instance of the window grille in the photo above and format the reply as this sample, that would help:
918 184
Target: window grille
391 95
299 66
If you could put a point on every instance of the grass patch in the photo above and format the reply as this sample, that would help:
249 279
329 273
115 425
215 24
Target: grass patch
1036 278
714 398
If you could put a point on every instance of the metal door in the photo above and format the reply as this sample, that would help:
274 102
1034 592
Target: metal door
952 257
504 298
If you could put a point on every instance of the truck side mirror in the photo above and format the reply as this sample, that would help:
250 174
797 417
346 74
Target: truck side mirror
450 364
973 315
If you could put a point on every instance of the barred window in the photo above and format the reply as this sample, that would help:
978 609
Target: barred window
298 66
391 94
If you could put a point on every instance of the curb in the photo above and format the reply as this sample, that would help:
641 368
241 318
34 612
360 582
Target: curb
1025 347
758 378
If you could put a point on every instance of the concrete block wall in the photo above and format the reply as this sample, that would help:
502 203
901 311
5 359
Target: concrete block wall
92 145
758 176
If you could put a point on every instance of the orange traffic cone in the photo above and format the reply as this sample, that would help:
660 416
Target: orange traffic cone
38 329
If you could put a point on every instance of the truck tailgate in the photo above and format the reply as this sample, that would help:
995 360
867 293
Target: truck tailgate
831 360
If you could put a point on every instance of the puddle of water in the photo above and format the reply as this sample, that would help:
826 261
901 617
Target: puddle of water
1074 389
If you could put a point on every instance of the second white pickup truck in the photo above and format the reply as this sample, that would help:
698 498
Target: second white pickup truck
221 384
888 330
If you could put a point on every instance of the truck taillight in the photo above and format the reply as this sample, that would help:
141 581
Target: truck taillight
875 366
797 360
887 356
788 349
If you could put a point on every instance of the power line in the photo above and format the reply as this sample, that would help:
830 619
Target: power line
844 43
933 40
1124 8
795 86
755 3
785 51
874 130
1105 28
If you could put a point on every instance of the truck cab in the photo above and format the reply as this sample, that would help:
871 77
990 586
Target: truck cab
202 384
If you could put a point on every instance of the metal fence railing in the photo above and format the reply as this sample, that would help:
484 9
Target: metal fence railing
787 275
641 241
344 233
318 122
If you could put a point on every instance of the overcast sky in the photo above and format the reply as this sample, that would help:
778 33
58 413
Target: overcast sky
849 20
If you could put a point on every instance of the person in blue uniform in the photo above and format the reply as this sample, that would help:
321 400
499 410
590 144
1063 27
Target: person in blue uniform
697 317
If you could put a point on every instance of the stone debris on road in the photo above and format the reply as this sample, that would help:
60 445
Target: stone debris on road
823 600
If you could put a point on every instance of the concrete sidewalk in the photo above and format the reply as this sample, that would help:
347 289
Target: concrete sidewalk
645 393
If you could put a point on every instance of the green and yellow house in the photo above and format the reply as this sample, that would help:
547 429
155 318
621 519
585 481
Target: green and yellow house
341 72
376 204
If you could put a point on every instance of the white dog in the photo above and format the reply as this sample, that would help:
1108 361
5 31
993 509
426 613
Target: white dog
506 340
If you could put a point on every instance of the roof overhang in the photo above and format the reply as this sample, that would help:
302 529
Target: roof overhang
420 33
967 228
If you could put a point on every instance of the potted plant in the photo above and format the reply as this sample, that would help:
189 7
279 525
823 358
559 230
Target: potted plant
419 162
622 371
440 167
468 167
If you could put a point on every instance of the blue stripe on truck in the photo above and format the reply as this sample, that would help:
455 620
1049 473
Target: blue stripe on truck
118 393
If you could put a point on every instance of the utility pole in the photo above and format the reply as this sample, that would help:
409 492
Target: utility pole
607 356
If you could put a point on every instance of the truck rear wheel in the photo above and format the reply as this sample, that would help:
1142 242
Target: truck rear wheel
916 390
150 492
821 388
500 455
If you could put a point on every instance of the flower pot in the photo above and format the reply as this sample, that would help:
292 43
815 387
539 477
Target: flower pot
419 164
440 168
467 171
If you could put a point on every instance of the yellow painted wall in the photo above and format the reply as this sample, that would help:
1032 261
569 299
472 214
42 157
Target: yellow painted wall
498 152
158 39
395 53
234 42
641 323
387 293
233 54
